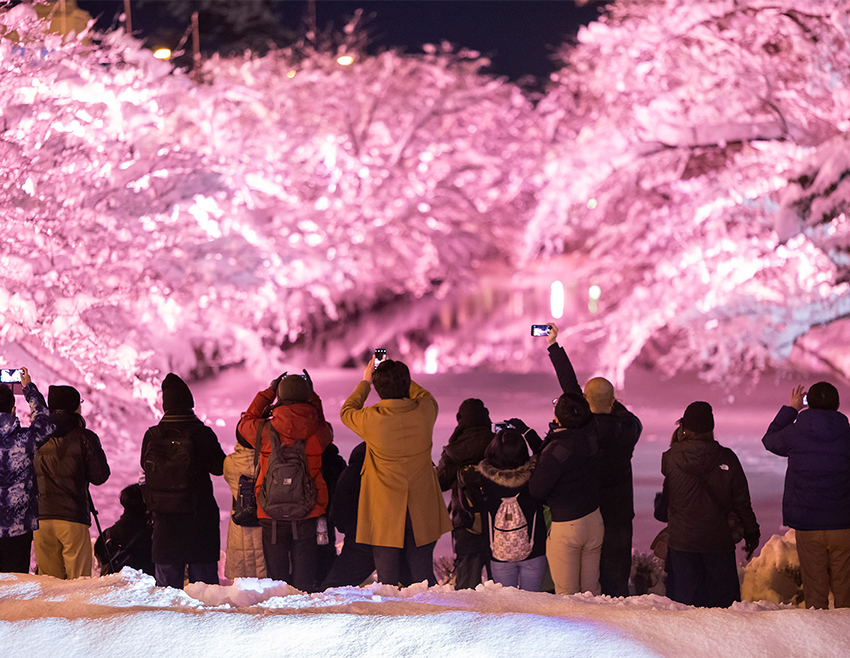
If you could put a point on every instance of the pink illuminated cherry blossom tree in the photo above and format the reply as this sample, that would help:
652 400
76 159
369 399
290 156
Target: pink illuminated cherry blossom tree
699 166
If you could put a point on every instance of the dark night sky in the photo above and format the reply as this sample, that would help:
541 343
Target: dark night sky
519 35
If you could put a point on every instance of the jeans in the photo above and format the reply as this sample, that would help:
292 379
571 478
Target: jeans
171 575
527 575
294 543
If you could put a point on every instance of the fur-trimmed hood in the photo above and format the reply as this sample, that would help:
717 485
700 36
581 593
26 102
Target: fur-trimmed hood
512 478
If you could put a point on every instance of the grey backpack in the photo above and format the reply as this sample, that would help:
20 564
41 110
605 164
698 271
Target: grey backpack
287 493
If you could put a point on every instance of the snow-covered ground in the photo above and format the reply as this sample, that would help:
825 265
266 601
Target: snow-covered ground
126 615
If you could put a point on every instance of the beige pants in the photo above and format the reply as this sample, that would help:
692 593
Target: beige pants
62 549
573 550
825 565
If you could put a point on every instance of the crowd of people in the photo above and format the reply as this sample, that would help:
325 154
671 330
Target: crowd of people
542 514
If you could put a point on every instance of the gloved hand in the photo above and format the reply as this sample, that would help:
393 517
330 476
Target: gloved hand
521 426
751 543
274 383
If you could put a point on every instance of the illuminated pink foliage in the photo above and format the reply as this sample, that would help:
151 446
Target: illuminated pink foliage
690 156
710 137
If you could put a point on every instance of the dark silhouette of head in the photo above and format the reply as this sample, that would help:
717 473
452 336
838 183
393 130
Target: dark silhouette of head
391 380
822 395
572 411
7 399
507 450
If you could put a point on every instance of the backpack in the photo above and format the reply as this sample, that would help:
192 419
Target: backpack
287 493
169 466
509 538
464 508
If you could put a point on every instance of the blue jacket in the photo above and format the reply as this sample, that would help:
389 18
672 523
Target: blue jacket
18 507
817 481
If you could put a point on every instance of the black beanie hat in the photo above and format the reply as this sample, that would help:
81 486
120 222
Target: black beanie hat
7 399
176 394
63 398
822 395
472 413
698 418
293 388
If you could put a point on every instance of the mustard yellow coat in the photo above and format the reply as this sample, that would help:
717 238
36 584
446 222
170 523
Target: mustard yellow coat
398 474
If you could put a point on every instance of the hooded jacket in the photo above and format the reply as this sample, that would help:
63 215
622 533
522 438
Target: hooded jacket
817 481
302 421
70 460
18 445
697 519
497 484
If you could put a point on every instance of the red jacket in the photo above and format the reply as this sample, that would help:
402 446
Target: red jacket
294 422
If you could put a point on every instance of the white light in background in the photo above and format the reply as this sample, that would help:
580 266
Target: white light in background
556 300
162 53
345 60
594 293
431 365
591 204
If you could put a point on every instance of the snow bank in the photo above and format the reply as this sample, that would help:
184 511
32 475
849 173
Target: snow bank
126 615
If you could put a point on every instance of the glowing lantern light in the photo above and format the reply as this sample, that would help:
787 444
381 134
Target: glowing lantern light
556 299
595 292
290 74
345 60
162 53
591 204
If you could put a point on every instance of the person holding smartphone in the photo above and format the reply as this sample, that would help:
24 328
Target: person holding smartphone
18 509
401 512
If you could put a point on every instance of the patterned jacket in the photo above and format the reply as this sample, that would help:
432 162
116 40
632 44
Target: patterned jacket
18 504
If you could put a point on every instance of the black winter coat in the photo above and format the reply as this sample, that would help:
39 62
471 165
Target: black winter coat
697 522
192 537
465 448
567 474
70 460
617 433
347 493
503 483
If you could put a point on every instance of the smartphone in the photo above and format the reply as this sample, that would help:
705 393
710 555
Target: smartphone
10 375
540 330
498 427
805 400
380 356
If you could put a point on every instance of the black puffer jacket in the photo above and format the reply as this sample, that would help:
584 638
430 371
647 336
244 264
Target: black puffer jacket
191 537
503 483
70 460
567 474
697 523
